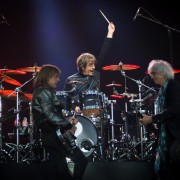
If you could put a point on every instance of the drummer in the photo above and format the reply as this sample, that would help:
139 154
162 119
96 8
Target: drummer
87 78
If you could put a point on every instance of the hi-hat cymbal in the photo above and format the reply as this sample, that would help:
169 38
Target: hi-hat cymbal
30 69
129 94
10 94
123 67
10 71
75 82
113 84
10 80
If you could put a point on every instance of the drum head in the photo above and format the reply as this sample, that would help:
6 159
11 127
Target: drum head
87 135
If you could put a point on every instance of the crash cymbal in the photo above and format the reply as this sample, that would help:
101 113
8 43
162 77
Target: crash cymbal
117 96
10 80
174 70
123 67
30 69
113 84
75 82
10 94
10 71
129 94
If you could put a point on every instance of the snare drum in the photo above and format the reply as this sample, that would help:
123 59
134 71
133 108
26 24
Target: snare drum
91 103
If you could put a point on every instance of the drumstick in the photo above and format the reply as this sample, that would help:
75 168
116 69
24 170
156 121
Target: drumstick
104 16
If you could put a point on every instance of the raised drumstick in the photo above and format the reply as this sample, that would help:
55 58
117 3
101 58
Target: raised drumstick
104 16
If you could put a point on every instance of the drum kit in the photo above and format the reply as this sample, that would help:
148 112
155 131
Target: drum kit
95 128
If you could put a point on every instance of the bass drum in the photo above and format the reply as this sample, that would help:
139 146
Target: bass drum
86 133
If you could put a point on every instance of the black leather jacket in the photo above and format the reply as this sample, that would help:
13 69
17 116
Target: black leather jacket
46 108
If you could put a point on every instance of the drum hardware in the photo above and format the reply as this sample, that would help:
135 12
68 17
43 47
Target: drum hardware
17 91
29 156
112 142
3 153
143 133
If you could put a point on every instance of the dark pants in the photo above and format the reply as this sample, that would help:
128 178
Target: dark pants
57 156
80 163
171 168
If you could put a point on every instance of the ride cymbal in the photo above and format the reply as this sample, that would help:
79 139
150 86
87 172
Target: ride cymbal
10 94
10 71
30 69
10 80
123 67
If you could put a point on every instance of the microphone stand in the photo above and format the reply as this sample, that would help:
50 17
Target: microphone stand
170 29
142 128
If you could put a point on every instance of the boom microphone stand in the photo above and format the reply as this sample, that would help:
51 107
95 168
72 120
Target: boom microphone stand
155 20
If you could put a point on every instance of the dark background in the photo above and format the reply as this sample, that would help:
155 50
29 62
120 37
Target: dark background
57 32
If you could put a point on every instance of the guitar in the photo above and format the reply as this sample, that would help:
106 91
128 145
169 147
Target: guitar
68 140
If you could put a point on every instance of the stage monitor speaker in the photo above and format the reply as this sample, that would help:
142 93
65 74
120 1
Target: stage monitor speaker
127 170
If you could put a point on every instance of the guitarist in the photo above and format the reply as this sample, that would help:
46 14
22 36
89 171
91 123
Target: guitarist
57 133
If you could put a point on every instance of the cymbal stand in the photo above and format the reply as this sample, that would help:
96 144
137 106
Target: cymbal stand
31 128
126 138
112 141
17 110
142 128
29 157
2 151
1 88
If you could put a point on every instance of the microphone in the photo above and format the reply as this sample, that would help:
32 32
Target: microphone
4 20
134 18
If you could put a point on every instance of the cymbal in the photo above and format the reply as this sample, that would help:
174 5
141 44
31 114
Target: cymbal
129 94
75 82
10 80
10 94
117 96
113 84
174 70
123 67
30 69
10 71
